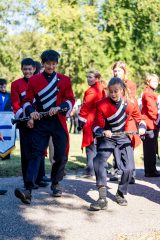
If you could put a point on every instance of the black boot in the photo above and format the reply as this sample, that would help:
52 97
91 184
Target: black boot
24 195
101 203
46 179
120 199
42 184
132 181
57 192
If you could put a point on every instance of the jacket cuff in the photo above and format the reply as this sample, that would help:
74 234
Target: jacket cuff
28 109
158 119
19 113
142 124
80 124
84 120
98 131
64 107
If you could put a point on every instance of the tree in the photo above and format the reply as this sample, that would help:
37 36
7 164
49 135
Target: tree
74 31
133 29
8 52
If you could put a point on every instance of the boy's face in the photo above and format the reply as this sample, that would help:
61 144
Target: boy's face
3 88
50 66
153 82
28 70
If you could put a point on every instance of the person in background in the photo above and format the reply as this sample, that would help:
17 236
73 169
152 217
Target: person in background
18 92
150 112
120 70
39 67
92 95
74 117
2 191
5 103
112 115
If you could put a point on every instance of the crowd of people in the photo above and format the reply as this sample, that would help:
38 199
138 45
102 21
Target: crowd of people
109 117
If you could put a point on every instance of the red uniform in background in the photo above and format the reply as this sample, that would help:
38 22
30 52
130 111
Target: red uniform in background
131 87
149 107
18 92
150 143
136 141
88 110
86 119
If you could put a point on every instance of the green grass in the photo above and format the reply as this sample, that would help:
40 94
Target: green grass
76 160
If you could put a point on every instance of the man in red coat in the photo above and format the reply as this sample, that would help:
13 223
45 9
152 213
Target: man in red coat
53 93
87 115
18 92
150 112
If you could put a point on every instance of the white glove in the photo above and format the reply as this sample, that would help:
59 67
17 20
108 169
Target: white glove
141 131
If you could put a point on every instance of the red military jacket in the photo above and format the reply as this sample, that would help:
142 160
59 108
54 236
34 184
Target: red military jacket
132 91
18 92
149 107
131 87
106 110
88 109
39 86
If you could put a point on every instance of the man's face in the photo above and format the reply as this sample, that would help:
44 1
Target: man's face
28 70
50 66
3 88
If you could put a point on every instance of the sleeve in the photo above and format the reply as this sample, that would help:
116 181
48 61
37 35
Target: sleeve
86 105
16 101
28 100
99 122
69 100
150 105
138 117
134 90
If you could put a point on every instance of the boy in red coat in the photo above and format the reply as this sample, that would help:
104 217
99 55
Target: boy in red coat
52 92
150 112
87 115
18 92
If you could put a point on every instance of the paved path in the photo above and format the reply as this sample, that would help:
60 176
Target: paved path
68 218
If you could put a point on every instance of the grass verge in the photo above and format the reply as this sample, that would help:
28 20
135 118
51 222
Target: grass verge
76 162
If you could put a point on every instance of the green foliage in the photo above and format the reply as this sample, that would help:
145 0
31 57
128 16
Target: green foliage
133 29
87 33
8 51
74 29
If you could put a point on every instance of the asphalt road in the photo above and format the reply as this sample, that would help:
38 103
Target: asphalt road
69 218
